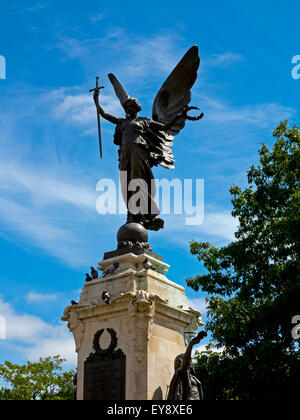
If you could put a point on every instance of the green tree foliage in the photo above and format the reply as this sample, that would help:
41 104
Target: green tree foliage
253 284
43 380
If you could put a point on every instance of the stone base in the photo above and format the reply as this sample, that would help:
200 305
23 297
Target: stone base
150 315
131 250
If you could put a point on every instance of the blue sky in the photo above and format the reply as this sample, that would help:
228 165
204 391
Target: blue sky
50 232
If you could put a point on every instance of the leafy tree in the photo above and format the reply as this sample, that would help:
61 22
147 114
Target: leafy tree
253 283
43 380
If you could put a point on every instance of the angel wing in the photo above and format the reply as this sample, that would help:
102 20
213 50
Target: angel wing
173 96
119 89
175 93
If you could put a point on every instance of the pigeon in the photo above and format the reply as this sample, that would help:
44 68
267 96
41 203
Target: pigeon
88 277
111 269
147 265
106 297
74 303
94 273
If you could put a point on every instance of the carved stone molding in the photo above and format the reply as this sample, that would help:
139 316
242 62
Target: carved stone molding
192 327
75 325
143 303
141 310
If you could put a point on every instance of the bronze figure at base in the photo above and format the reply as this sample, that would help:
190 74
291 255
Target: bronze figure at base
185 386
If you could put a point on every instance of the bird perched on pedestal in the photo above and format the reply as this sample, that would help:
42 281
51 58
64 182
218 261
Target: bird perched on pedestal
111 269
88 277
94 273
106 297
74 303
147 265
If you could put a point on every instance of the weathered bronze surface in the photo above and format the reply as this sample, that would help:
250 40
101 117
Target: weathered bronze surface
185 385
105 371
147 142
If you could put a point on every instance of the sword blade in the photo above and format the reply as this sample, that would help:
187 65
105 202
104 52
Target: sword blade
99 133
98 119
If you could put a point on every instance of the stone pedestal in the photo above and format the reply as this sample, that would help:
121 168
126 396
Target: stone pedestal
150 316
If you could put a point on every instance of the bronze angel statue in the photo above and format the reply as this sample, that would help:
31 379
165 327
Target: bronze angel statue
147 142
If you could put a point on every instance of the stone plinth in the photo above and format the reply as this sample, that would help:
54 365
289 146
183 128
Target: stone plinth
148 312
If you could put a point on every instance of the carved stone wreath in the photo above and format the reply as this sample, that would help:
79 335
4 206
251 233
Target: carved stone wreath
113 343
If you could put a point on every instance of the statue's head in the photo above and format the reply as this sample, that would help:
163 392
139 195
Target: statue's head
132 107
178 363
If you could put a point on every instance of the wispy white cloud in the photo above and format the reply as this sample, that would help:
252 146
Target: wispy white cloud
80 109
217 226
232 132
35 338
262 115
157 54
135 57
35 7
41 205
38 298
220 224
61 343
31 227
203 347
46 186
22 327
98 17
28 221
223 60
35 209
199 304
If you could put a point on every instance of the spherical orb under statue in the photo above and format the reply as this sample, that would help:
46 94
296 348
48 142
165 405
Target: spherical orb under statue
132 232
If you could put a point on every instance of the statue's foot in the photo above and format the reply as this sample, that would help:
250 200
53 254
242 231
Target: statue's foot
135 218
154 224
149 222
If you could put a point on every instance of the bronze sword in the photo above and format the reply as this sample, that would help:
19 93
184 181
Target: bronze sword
98 116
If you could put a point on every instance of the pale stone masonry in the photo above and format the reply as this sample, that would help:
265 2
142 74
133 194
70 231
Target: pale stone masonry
150 315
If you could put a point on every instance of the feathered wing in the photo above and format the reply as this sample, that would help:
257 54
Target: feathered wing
175 93
119 89
173 96
159 148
